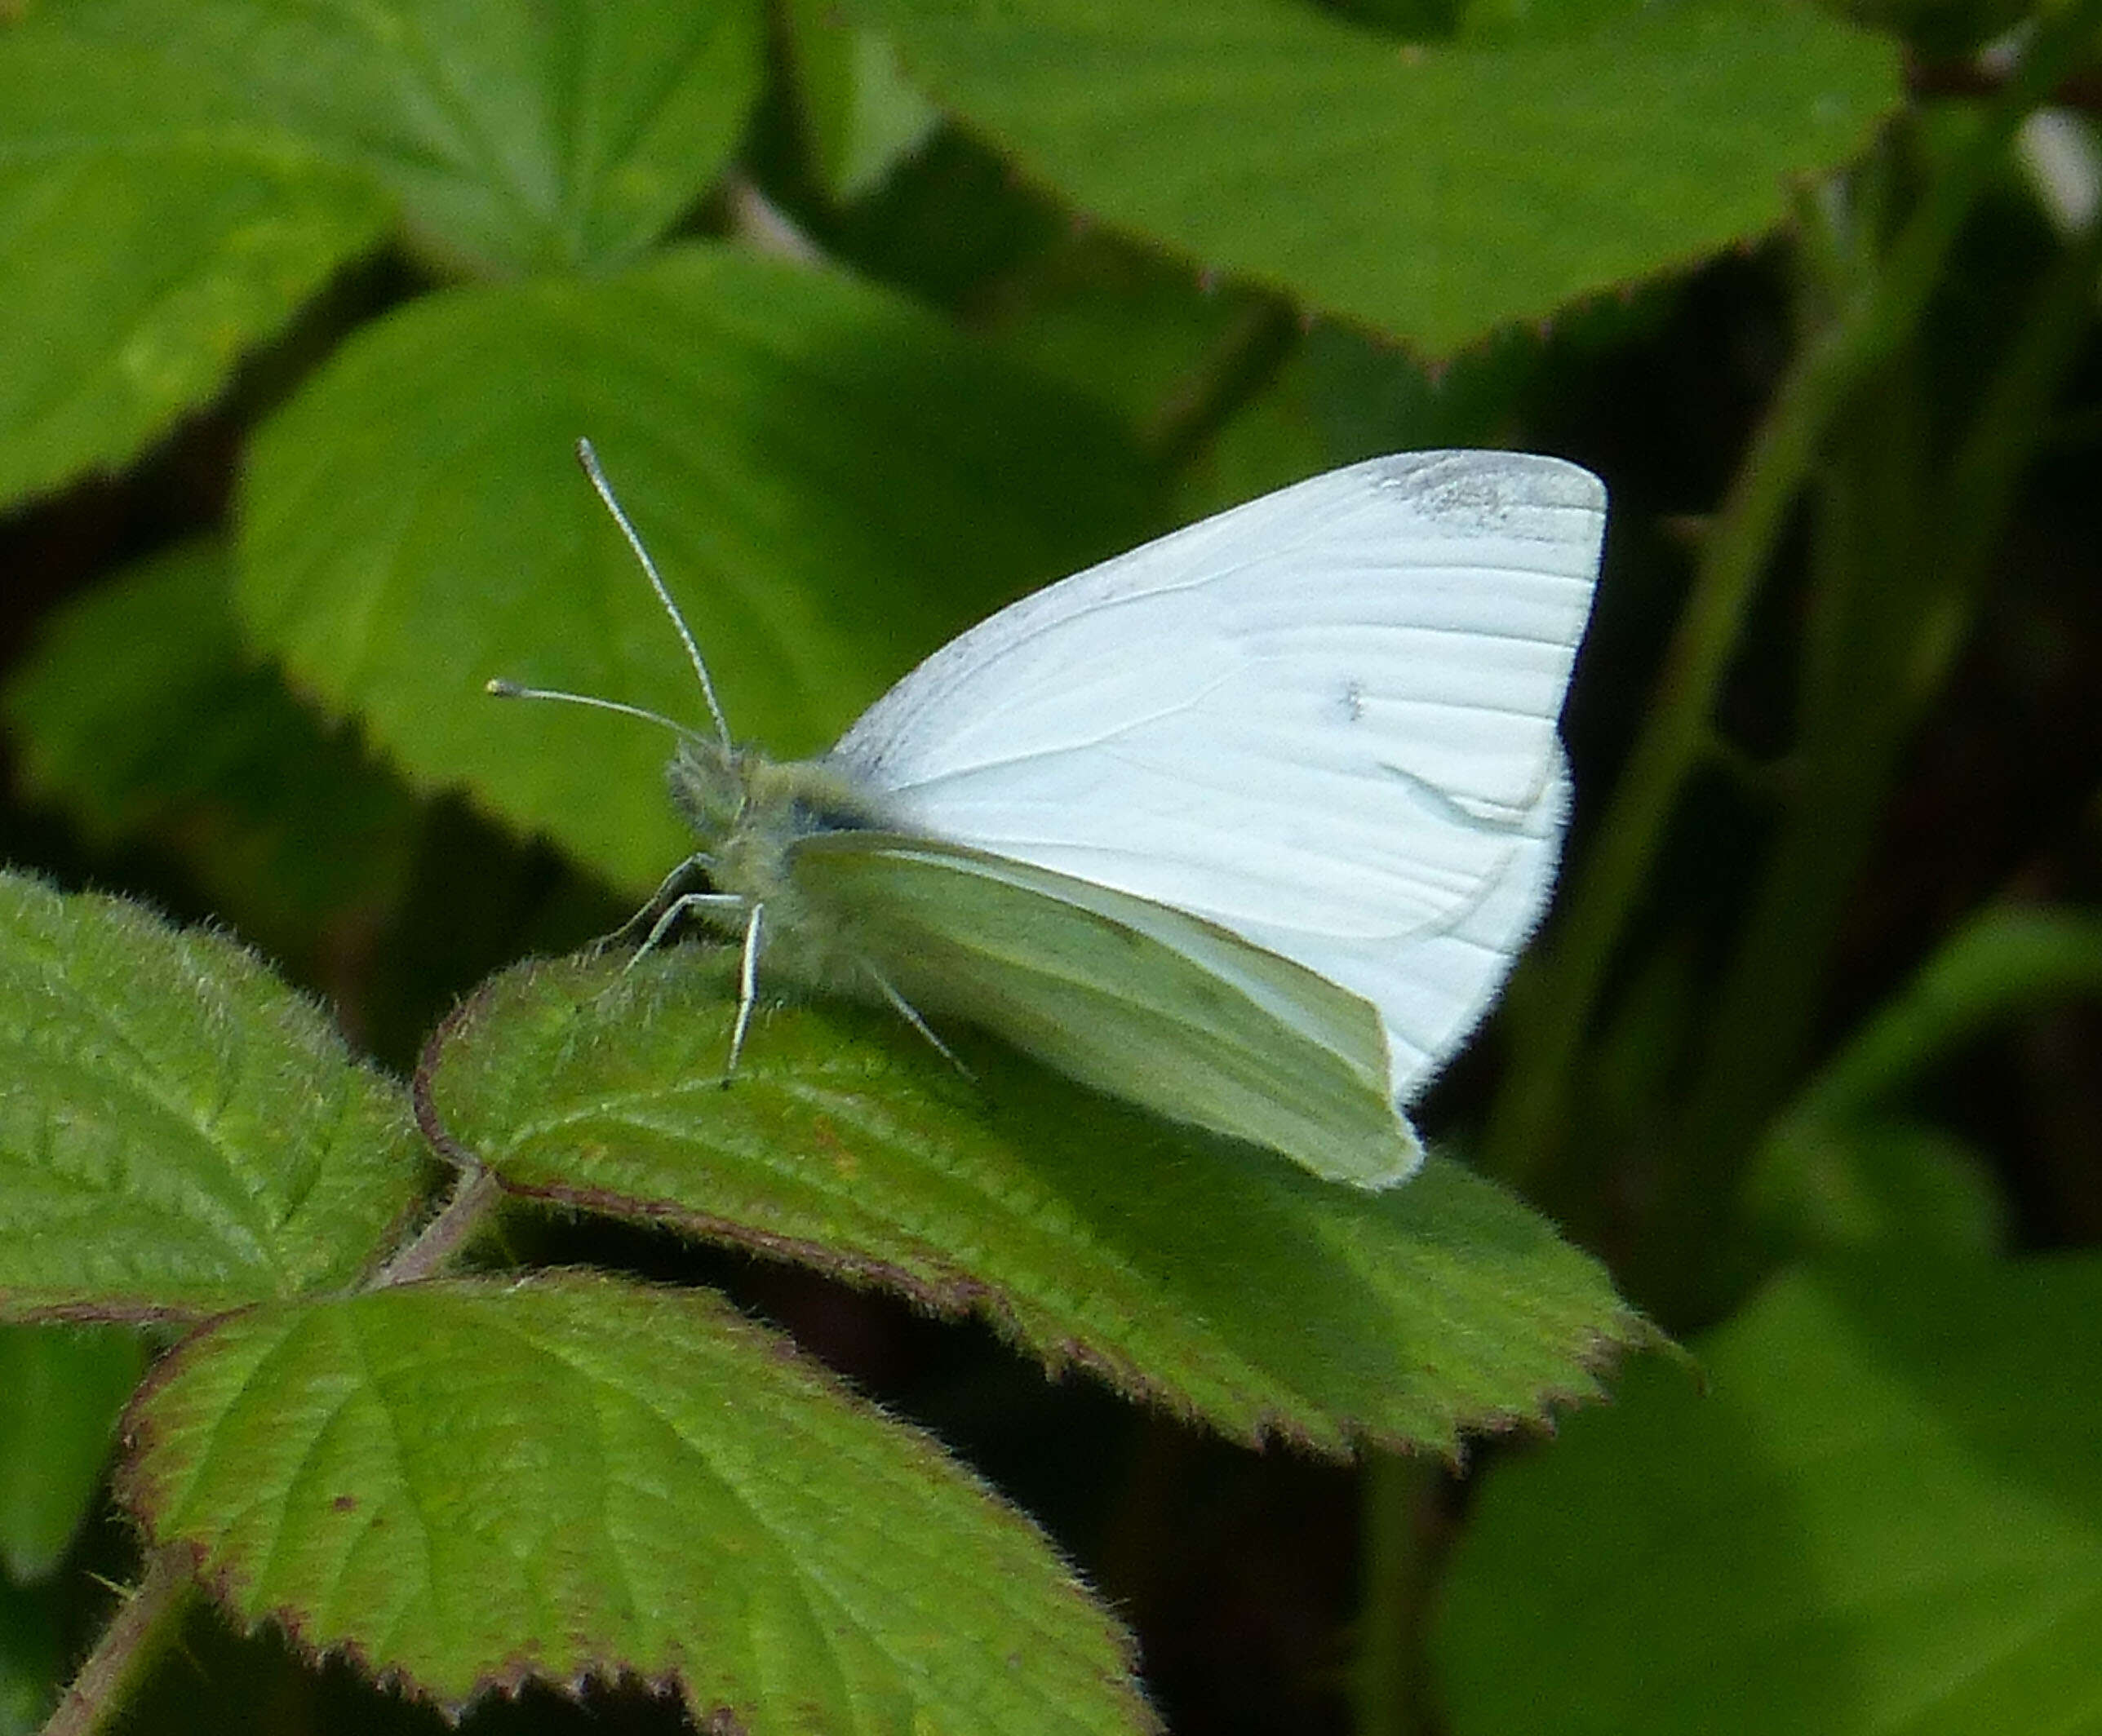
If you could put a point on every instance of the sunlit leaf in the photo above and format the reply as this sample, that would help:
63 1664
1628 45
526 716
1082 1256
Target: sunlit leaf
150 233
831 481
515 135
478 1484
1215 1278
1435 190
180 1133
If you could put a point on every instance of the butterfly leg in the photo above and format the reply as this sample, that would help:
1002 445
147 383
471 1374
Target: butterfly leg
648 921
747 983
910 1014
686 905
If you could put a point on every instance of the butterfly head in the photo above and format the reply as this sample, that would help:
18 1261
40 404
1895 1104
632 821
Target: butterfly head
727 792
749 813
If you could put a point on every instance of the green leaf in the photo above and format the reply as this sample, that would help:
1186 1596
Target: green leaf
148 236
1136 329
1884 1515
2005 962
1218 1279
32 1655
831 481
471 1485
516 135
60 1390
180 1133
862 115
142 713
1435 191
1847 1167
1844 1186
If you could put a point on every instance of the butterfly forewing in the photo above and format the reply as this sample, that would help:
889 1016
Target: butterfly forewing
1325 721
1134 997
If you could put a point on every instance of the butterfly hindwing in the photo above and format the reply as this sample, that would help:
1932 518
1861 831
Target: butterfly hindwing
1138 999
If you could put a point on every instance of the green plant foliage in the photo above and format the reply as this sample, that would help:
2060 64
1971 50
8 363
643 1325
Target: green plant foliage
862 115
286 824
832 482
470 1485
1136 329
2004 962
30 1654
514 136
1214 1278
60 1389
180 1133
1850 1163
1433 193
153 232
1834 1187
880 312
1881 1515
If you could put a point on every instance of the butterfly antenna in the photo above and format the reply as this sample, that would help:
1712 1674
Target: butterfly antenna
500 688
587 457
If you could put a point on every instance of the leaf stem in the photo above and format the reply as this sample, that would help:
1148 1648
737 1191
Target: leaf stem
1874 322
1404 1534
1907 549
1249 355
2011 428
476 1190
144 1626
474 1195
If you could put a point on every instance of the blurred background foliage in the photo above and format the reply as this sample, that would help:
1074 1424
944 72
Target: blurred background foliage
882 311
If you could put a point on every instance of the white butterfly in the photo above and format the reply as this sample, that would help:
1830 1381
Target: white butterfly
1246 825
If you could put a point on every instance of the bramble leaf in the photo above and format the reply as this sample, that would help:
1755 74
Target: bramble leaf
471 1485
181 1133
60 1390
155 231
514 136
141 712
1884 1514
831 481
1215 1278
1434 190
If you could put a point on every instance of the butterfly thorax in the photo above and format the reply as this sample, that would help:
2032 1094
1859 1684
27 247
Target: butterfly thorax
749 813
